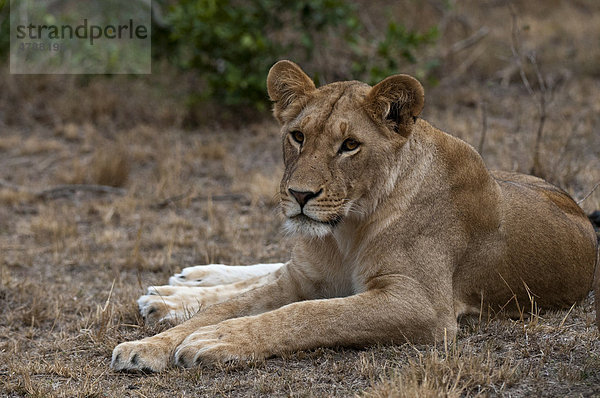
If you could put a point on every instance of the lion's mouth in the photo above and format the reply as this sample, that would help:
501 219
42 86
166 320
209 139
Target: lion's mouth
303 218
308 223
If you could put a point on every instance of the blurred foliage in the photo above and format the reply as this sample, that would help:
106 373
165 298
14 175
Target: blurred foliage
233 43
4 29
397 46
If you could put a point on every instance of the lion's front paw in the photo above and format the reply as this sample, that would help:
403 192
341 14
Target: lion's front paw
203 275
219 274
169 303
142 355
217 343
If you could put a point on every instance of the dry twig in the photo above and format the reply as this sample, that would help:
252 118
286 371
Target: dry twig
543 94
484 126
579 202
468 42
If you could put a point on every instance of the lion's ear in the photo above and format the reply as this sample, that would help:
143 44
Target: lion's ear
287 84
396 102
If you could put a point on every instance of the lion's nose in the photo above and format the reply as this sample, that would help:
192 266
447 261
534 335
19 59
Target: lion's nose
302 197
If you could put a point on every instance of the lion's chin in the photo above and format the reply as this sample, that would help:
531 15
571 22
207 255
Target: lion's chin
303 225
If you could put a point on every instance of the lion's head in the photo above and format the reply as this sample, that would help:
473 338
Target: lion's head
341 144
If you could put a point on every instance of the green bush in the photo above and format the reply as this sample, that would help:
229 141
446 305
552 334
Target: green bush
4 29
397 45
233 43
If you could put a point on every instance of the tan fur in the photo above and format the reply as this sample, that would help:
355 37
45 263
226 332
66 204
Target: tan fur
399 236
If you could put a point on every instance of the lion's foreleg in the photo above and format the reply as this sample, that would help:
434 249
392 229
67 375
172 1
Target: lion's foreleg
156 353
367 318
178 303
219 274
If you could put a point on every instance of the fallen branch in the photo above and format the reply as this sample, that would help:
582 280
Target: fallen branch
170 200
69 189
215 198
14 187
63 190
222 198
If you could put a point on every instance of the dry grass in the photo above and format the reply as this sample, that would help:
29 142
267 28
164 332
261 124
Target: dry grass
71 267
110 165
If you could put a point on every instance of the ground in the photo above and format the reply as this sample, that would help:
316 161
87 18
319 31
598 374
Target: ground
72 263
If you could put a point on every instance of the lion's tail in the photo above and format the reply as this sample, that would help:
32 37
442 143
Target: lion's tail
595 219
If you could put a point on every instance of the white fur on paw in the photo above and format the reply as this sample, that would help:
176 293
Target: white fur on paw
219 274
170 303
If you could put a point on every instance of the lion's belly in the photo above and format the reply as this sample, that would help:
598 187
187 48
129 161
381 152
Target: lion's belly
545 249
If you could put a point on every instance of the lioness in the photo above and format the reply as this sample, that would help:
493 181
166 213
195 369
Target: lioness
400 229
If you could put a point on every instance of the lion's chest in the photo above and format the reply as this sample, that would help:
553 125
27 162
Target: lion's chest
353 258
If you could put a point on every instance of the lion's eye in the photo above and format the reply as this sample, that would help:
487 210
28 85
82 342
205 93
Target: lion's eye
297 136
349 145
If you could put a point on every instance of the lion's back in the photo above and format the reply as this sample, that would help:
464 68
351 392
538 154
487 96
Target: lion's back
524 182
